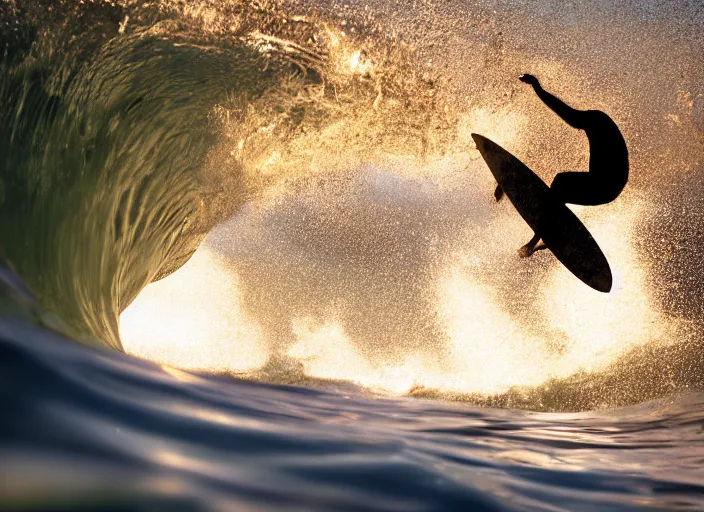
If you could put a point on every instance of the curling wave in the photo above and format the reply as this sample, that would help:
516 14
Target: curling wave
355 239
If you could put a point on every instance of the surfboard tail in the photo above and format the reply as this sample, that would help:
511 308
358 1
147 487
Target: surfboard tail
601 282
563 233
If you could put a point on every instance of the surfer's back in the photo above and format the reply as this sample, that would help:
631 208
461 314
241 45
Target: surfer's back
607 148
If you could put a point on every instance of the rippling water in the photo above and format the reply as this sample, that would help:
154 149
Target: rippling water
91 429
250 258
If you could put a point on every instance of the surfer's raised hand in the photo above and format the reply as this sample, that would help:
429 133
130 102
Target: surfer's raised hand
529 79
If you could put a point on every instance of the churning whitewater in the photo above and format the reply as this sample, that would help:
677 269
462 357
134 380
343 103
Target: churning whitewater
251 259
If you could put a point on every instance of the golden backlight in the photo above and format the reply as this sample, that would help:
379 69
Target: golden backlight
499 321
502 321
193 319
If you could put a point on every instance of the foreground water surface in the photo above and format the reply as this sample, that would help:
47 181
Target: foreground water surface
95 430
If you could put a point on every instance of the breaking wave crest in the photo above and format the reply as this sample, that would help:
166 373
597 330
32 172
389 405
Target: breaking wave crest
322 162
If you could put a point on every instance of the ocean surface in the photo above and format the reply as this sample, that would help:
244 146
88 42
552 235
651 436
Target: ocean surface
88 429
250 258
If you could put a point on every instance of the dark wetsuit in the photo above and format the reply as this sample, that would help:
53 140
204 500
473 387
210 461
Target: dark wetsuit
608 159
608 156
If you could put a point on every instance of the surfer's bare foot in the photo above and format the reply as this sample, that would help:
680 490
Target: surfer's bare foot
498 193
526 251
529 79
531 247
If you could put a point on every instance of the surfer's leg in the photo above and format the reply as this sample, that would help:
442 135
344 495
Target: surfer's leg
567 187
535 244
577 188
528 249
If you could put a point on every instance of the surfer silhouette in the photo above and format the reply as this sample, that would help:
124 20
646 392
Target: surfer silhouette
608 160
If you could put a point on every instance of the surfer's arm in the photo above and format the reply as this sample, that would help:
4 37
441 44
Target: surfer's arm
571 116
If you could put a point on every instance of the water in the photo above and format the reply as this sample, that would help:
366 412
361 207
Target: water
100 430
251 260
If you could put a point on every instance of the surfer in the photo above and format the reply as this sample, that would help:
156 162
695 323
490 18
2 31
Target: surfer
608 160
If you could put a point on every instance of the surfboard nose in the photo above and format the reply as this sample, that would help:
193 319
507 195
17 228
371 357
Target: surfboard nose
478 140
485 145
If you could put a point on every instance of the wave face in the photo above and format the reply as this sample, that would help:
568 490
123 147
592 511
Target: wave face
324 152
115 166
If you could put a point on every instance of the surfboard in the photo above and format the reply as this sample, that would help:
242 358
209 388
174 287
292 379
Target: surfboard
562 232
